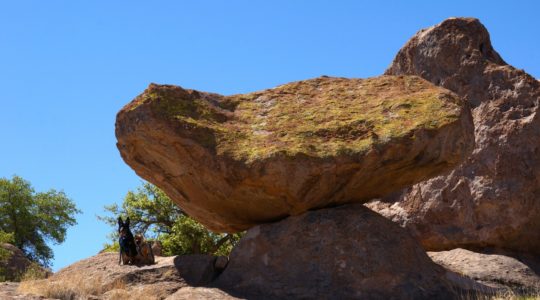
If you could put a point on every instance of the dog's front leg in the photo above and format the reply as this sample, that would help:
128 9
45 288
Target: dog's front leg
120 258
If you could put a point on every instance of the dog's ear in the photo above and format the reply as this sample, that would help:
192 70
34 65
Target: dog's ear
127 221
120 222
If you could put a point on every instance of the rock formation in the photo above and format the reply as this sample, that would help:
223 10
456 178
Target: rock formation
402 272
347 252
16 264
100 277
297 161
492 199
233 162
496 270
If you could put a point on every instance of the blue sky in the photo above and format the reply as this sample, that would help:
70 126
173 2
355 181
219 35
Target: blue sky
67 67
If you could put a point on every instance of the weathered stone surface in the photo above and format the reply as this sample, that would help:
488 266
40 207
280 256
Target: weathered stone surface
496 270
100 277
200 293
347 252
233 162
493 199
16 264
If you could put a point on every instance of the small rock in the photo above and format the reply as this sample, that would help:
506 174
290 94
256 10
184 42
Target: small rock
496 270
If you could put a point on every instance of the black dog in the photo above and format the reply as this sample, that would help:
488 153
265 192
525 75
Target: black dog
128 249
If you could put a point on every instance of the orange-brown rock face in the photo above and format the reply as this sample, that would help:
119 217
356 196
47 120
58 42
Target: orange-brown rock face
232 162
493 199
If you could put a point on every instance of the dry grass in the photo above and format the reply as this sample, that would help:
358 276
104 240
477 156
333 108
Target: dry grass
508 294
134 294
81 287
33 272
75 287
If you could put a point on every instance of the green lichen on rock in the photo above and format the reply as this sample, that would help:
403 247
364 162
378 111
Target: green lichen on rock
321 117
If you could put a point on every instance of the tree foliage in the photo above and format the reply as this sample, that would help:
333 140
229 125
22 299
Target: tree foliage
4 254
33 219
153 214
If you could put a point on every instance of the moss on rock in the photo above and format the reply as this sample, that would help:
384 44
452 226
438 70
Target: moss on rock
320 117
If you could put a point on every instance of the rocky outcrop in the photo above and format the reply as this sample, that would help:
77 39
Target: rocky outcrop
492 199
495 270
233 162
258 266
15 265
294 164
347 252
100 277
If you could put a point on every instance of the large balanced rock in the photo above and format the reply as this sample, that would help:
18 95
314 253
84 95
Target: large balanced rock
347 252
493 199
233 162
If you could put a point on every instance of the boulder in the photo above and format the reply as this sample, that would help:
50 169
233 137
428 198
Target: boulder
232 162
346 252
492 199
16 264
495 270
200 293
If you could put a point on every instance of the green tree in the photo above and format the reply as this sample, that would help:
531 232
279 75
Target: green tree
33 219
153 214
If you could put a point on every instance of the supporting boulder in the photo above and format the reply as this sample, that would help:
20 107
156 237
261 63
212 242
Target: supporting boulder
347 252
